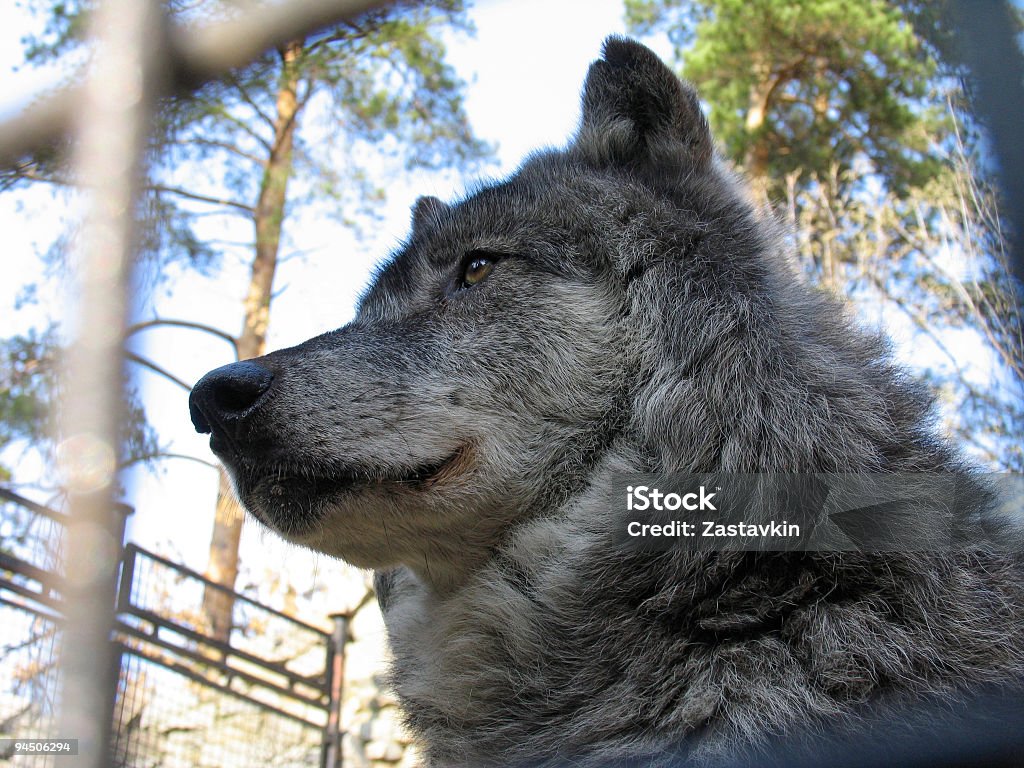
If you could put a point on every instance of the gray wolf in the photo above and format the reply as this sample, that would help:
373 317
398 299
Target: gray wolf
614 306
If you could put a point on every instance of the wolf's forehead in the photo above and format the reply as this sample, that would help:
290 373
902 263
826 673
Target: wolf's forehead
540 205
502 218
546 195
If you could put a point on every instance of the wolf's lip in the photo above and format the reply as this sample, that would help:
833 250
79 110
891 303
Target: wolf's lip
425 476
457 463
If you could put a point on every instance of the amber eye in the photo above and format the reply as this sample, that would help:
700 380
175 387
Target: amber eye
477 268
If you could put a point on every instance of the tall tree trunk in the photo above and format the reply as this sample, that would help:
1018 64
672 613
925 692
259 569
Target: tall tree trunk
270 210
770 77
758 103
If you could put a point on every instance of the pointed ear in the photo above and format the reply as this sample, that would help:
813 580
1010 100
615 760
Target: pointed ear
635 108
427 212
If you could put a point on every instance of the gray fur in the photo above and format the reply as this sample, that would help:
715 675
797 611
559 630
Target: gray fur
642 317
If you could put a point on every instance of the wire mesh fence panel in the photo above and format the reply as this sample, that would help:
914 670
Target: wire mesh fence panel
30 627
167 718
191 696
30 532
28 679
171 596
256 695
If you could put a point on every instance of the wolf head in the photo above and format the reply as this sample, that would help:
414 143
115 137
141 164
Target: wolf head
616 303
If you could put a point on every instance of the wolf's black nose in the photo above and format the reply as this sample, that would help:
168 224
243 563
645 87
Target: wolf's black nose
225 394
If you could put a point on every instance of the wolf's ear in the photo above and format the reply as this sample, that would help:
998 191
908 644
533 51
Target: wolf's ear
634 107
427 211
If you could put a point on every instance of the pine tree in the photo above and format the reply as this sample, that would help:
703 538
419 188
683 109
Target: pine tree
849 116
807 85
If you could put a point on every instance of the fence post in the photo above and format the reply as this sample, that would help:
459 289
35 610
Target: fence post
123 589
117 98
331 755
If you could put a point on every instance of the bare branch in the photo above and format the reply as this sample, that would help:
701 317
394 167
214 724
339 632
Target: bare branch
324 41
368 597
229 147
202 198
157 369
196 55
244 126
158 322
166 455
248 99
920 322
29 171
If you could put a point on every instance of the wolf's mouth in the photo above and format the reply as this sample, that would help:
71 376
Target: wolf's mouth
288 498
422 477
426 475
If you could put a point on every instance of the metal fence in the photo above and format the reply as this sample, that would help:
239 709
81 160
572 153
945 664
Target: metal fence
30 619
267 695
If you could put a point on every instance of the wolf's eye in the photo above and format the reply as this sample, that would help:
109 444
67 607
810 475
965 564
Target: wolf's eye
478 266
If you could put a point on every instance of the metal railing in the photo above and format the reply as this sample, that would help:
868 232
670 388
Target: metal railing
267 695
30 618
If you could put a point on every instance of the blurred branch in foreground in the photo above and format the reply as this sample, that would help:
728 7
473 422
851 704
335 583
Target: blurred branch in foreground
195 55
